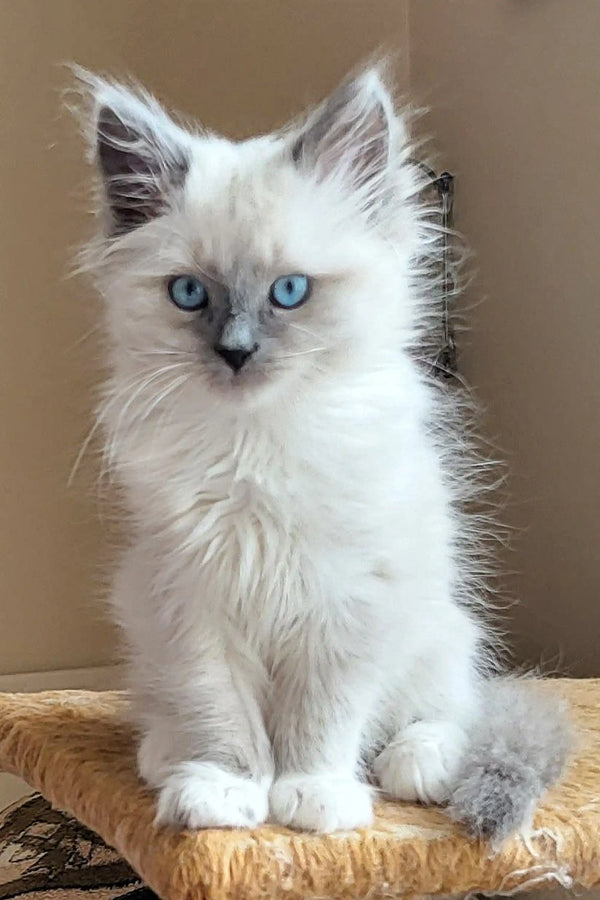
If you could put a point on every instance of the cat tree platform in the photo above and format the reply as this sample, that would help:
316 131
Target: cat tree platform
77 750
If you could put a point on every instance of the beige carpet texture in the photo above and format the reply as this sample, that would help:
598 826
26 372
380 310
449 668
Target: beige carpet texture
77 749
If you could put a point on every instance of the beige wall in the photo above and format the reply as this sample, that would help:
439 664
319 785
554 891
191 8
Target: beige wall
241 66
515 88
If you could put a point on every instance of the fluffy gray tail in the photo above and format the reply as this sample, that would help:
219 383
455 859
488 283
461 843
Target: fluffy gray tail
519 747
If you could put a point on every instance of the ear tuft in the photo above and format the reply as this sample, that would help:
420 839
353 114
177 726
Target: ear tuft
142 155
351 136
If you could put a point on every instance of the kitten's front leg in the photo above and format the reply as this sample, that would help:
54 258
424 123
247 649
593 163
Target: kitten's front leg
204 745
324 690
198 700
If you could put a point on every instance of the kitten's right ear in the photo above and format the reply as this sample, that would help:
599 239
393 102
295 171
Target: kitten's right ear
142 155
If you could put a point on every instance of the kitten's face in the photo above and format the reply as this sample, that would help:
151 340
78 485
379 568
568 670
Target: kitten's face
253 270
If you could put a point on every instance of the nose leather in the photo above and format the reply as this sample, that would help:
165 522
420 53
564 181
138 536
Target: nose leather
235 357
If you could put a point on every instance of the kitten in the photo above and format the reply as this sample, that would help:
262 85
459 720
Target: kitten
298 594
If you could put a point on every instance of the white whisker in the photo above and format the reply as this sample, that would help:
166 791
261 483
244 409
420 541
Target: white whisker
82 451
304 330
162 396
143 354
87 334
301 353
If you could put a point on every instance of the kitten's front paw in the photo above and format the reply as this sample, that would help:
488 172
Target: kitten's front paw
422 762
202 795
325 802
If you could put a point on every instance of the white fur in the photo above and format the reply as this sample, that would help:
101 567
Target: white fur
321 802
202 795
293 593
422 762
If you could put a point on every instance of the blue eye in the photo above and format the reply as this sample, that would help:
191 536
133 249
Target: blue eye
290 291
188 293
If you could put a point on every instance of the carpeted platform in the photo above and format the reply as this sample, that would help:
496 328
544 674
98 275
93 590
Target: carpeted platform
77 750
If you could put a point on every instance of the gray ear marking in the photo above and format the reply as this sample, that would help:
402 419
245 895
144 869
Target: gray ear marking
350 134
142 157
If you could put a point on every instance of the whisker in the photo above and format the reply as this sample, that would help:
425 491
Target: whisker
82 451
87 334
139 384
146 382
302 353
99 419
163 396
142 354
304 330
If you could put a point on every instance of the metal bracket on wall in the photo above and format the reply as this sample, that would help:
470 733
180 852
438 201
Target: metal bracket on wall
444 362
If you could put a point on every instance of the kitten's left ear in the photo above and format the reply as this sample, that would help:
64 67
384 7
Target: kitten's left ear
141 153
352 136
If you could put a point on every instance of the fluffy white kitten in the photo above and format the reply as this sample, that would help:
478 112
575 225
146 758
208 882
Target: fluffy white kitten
296 593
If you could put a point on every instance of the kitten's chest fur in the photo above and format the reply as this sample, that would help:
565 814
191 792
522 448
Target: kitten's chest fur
271 523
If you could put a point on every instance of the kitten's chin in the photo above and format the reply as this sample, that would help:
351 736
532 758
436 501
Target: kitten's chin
252 387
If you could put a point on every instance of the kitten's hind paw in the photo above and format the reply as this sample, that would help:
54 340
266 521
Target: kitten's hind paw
325 802
422 762
203 795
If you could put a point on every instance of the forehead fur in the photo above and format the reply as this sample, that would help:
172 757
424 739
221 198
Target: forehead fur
318 194
249 204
